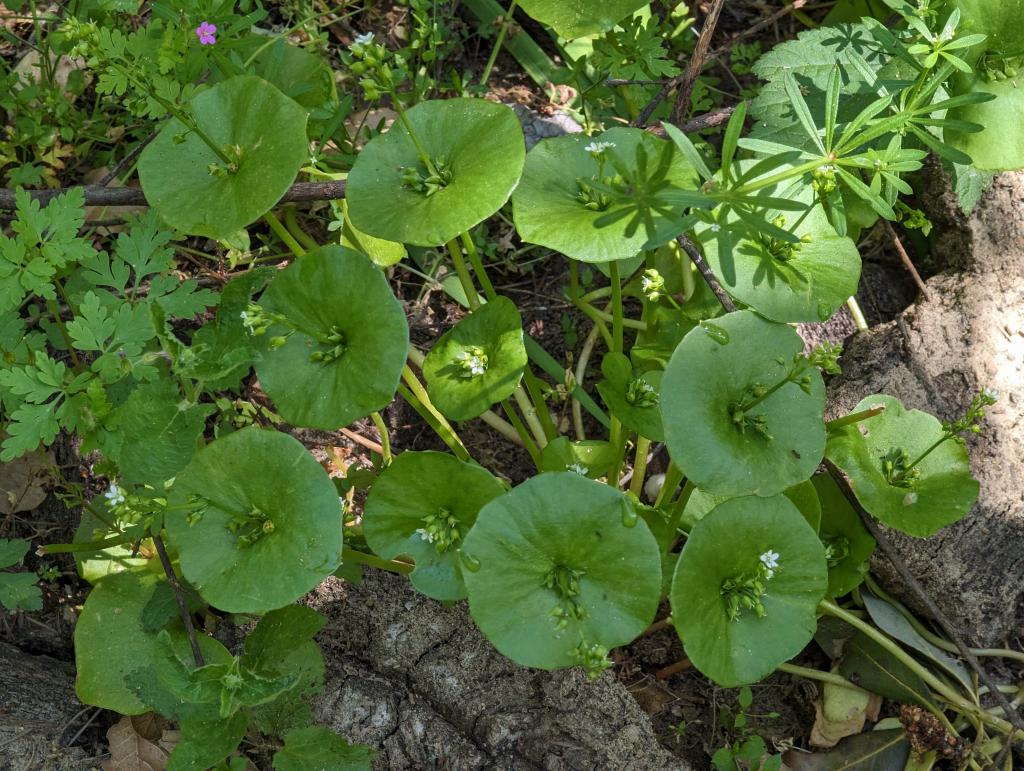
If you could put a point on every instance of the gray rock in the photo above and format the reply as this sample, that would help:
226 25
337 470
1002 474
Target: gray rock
38 712
417 681
935 356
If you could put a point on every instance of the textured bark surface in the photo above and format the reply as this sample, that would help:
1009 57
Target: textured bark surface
935 356
416 680
38 710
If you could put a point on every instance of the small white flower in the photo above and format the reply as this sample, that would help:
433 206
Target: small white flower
248 321
365 39
597 148
715 228
425 535
770 559
577 468
114 495
991 393
476 366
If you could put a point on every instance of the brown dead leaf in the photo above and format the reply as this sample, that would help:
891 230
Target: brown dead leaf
130 751
24 482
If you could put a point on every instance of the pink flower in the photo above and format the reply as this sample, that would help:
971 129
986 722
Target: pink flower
207 33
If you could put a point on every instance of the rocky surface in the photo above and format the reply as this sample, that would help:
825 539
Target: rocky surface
38 713
967 334
414 678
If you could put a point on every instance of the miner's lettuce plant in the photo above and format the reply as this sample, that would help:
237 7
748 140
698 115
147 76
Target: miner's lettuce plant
213 508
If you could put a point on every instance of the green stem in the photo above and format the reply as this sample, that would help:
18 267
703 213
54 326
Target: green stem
782 176
530 415
673 478
427 162
856 417
747 406
617 333
948 694
463 273
524 435
533 388
858 315
282 232
418 399
506 21
51 306
373 561
636 485
606 317
580 376
296 230
385 437
105 543
478 266
817 674
945 438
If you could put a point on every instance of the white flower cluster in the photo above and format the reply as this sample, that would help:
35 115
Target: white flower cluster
598 148
114 495
770 560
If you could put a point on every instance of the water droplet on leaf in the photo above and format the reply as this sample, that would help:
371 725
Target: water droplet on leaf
824 311
470 563
629 516
715 332
910 499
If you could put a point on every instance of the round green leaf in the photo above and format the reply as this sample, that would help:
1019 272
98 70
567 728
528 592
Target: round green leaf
699 504
116 638
478 362
848 544
248 117
1000 146
422 506
259 502
591 458
712 370
479 143
784 282
333 288
576 18
558 524
94 565
727 545
945 490
632 397
548 211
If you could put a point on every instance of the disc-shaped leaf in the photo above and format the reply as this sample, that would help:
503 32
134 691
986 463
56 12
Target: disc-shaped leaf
262 131
422 506
328 292
576 18
1000 146
712 372
561 529
632 397
116 635
476 147
551 207
257 499
848 544
699 504
727 546
944 490
806 281
591 458
478 362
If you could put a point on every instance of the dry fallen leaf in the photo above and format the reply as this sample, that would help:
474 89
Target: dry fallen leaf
131 751
24 482
841 712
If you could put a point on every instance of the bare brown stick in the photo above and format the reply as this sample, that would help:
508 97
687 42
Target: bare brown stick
705 270
700 122
755 28
919 591
179 595
95 195
684 82
127 161
657 626
905 258
672 669
369 444
700 53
